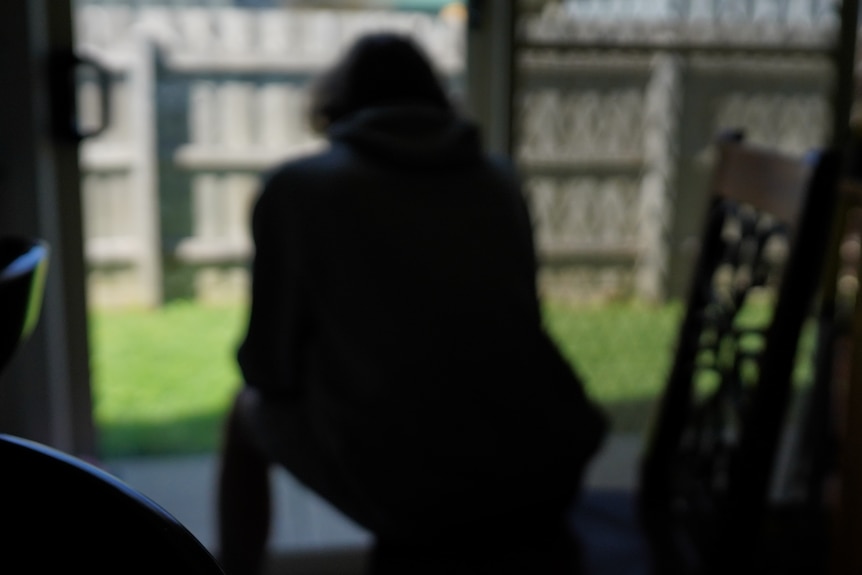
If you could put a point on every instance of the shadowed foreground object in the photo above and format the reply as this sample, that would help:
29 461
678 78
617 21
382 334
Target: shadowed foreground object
704 504
23 264
714 453
60 514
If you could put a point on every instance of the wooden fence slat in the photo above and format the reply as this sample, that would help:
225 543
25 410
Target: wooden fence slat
110 219
238 189
202 113
196 30
144 200
109 215
89 107
234 30
98 209
104 209
320 34
276 32
662 118
204 205
118 130
89 194
273 118
234 114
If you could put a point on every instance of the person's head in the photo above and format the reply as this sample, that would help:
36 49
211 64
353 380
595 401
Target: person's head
381 69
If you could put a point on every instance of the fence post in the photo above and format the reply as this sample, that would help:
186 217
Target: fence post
661 121
145 180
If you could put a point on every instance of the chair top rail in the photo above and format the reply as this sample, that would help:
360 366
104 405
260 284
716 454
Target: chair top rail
768 181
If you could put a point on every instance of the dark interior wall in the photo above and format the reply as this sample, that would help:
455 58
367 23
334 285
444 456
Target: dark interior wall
44 393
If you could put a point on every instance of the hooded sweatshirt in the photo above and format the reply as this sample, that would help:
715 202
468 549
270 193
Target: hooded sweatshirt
394 298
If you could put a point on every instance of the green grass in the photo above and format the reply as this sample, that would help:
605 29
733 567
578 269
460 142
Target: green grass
621 350
162 380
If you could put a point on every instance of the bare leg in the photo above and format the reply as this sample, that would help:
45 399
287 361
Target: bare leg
243 498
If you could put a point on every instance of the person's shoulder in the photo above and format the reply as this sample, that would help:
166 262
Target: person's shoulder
299 178
503 166
501 174
310 164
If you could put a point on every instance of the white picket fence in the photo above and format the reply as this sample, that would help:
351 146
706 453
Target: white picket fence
203 101
613 145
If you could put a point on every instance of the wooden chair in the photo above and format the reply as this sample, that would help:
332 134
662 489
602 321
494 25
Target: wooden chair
704 499
846 500
832 440
60 514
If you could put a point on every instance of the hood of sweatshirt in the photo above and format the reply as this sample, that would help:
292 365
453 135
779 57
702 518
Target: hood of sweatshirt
410 137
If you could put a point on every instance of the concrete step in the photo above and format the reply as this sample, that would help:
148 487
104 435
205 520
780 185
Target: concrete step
309 536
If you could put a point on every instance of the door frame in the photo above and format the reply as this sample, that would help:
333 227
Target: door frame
490 71
45 391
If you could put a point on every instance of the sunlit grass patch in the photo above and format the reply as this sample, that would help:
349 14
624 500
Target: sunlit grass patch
162 379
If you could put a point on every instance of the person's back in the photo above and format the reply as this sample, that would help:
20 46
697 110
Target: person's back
395 310
427 370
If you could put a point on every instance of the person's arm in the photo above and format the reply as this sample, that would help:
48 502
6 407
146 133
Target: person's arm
526 255
270 352
527 232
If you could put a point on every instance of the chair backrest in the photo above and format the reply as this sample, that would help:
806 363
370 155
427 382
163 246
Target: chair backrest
709 460
23 265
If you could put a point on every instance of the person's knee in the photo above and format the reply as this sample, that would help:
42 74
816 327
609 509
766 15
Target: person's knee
245 402
237 422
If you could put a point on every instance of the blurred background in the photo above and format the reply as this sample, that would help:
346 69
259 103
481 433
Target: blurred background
608 107
611 110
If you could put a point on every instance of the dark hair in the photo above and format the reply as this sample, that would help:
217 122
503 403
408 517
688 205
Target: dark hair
378 70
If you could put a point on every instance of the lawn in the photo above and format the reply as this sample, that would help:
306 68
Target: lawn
162 380
621 350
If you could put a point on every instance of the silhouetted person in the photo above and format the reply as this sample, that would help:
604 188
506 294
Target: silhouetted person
395 360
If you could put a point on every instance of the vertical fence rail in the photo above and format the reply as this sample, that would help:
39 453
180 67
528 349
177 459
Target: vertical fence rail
661 119
145 177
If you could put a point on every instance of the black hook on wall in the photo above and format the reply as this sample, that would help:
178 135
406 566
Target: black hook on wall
65 67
